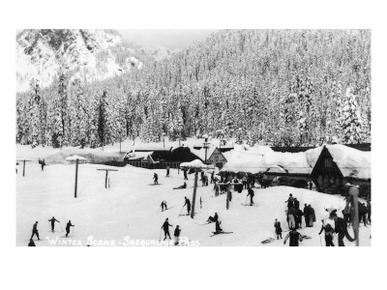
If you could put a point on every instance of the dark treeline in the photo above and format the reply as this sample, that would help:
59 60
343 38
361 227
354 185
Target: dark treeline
279 87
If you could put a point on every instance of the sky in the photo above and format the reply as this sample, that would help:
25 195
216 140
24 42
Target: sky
169 38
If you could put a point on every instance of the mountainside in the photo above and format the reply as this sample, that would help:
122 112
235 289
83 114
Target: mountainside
90 55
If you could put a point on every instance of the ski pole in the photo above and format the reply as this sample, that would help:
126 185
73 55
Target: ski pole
320 241
181 211
246 200
61 227
160 235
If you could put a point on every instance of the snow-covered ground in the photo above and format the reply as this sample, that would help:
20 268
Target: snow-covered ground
130 209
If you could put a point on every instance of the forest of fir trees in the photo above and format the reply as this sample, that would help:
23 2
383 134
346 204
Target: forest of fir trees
281 88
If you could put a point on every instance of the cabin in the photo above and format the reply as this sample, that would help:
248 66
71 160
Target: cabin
340 164
157 158
217 158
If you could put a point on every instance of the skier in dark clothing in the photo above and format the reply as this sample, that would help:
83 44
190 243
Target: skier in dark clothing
165 227
328 234
185 174
296 203
311 216
163 205
290 201
298 218
251 194
306 214
35 231
218 229
176 234
278 229
213 219
69 224
212 177
155 178
167 171
294 238
369 212
42 163
188 204
53 220
31 243
181 186
340 228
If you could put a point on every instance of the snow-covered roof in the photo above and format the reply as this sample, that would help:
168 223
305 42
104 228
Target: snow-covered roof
351 162
285 162
138 155
75 157
195 164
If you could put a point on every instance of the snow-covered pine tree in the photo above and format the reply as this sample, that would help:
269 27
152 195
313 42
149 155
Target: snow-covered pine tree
36 116
350 120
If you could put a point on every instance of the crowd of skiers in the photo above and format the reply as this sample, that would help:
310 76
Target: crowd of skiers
52 221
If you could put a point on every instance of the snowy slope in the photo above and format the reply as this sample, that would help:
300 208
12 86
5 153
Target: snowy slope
131 208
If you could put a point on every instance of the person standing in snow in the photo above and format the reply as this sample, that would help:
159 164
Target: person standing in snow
163 205
278 229
291 218
328 234
298 218
244 182
176 234
165 227
53 220
312 216
296 203
306 214
68 226
368 212
35 231
340 228
212 177
290 201
294 238
155 178
188 204
167 171
42 164
251 194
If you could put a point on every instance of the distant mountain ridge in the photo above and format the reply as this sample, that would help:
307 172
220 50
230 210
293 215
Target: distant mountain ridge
90 55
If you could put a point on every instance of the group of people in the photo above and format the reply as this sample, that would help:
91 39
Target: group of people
176 234
294 213
52 221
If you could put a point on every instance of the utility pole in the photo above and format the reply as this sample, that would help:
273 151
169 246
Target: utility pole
24 165
194 193
76 178
106 175
354 192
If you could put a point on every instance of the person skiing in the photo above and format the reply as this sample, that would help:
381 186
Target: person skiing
213 219
35 231
165 227
328 234
167 171
53 220
290 201
69 224
218 229
251 194
155 178
181 186
340 228
278 229
294 238
42 163
163 205
188 204
31 243
176 234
